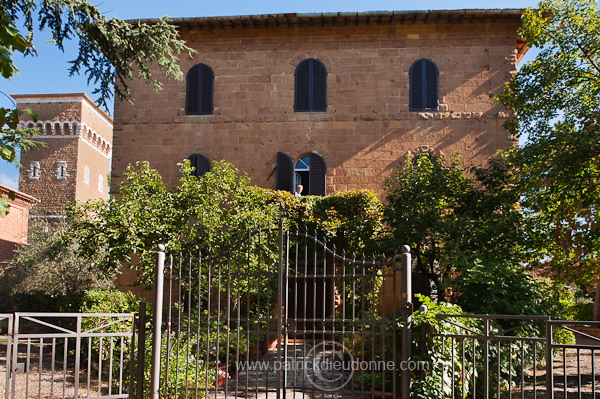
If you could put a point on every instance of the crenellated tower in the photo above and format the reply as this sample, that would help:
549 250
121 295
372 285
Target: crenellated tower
74 162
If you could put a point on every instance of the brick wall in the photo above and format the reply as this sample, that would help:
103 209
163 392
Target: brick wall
13 227
51 190
367 128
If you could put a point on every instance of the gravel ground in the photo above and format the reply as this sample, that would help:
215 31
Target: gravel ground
47 381
581 369
59 383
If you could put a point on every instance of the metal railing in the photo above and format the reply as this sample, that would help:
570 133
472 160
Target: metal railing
498 356
6 327
490 356
573 368
66 355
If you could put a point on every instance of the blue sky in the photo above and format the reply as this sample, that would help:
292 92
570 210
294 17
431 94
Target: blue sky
47 73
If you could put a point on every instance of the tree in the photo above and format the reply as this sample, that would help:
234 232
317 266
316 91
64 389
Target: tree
556 104
51 270
111 52
452 221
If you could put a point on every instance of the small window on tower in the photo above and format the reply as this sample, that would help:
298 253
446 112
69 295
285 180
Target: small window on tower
86 175
101 183
34 170
61 170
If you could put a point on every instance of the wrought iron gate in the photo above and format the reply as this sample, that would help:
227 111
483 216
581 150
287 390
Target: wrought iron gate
281 314
66 355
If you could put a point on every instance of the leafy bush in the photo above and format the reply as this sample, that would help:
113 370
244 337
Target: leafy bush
583 311
210 213
505 288
449 364
109 301
49 273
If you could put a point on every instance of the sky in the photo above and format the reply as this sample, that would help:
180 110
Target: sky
48 72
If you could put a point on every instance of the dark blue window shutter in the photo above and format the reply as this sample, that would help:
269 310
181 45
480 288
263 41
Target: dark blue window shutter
319 94
317 175
423 86
302 84
431 86
285 172
199 90
310 93
416 86
200 163
192 103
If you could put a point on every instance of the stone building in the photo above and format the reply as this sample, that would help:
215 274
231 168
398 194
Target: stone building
331 101
74 162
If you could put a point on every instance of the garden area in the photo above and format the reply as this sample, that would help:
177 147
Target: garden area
514 241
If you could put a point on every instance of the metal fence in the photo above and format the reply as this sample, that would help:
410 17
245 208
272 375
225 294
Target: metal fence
68 355
281 314
495 356
6 327
573 368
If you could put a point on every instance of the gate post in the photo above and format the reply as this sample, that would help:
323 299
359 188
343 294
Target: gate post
407 308
282 307
549 362
158 309
140 359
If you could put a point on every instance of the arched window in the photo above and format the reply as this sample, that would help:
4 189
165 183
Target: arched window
309 171
200 163
423 86
310 86
199 90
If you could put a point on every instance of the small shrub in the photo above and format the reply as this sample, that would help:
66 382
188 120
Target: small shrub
109 301
583 311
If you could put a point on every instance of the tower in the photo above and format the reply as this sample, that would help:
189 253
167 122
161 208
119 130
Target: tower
74 161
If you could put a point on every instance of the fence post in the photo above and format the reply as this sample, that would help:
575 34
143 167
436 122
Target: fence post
141 351
281 329
549 362
486 358
158 310
407 308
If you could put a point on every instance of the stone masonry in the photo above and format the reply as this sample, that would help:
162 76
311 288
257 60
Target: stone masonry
74 162
367 129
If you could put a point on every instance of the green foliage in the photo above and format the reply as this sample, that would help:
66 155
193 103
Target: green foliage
51 269
445 369
185 368
10 40
583 311
451 220
454 348
555 100
11 137
211 214
109 301
351 220
504 288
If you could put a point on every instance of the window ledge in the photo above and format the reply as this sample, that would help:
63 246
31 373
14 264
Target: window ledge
448 115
